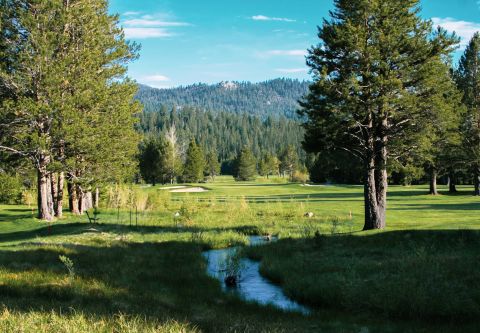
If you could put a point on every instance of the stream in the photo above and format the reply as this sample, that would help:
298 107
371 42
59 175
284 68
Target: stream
252 286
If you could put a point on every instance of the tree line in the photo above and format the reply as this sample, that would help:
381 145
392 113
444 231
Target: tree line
223 131
66 105
163 159
387 98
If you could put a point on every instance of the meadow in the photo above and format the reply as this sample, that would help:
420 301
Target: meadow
141 269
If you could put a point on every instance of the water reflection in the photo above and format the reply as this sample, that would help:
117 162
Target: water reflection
251 285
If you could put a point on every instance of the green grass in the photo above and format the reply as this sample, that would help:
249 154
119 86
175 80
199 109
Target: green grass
147 274
420 275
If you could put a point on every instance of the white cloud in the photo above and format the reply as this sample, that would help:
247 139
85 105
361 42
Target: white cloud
464 29
139 26
131 13
269 18
143 33
156 78
142 22
295 53
291 70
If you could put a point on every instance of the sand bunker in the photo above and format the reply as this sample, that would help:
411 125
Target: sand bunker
189 190
172 187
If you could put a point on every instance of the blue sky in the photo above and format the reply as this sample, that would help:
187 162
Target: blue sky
191 41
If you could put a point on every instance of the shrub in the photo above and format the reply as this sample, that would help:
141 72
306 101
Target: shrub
300 177
10 189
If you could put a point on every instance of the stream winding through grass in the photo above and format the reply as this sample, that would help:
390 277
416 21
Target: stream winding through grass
252 286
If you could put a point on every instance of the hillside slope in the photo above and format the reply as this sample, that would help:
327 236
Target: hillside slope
270 98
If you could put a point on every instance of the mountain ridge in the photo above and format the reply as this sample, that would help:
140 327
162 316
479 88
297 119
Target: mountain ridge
277 97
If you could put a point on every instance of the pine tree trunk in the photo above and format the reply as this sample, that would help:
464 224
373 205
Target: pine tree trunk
375 198
382 199
70 196
59 209
54 192
73 198
43 191
476 180
370 197
433 181
452 182
80 198
376 182
49 194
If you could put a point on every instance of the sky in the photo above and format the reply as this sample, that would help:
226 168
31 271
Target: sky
209 41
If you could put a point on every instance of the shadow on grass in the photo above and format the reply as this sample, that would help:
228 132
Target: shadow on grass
72 229
168 281
323 196
27 214
151 280
422 275
439 206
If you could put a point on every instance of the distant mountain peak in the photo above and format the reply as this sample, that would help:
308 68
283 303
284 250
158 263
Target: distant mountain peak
229 85
278 97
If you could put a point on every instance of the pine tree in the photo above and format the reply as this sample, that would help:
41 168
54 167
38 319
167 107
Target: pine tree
212 165
269 165
442 137
372 69
151 157
468 78
194 164
98 131
72 104
31 110
288 161
245 166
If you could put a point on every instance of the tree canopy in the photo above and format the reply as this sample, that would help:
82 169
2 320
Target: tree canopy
376 65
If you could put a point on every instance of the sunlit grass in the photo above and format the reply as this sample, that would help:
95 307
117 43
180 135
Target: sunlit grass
141 270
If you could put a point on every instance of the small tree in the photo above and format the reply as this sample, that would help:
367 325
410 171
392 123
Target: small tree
212 165
173 162
269 165
288 161
245 166
151 159
194 164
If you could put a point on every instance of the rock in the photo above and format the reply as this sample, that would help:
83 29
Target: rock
309 214
231 281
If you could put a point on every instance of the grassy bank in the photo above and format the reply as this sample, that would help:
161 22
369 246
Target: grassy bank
147 274
420 275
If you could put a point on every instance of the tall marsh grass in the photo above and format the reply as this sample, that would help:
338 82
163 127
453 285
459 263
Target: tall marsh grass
78 322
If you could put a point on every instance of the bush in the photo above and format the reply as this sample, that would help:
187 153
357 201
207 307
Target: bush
11 189
299 177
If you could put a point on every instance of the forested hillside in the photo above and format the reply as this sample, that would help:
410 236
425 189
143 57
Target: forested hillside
270 98
225 132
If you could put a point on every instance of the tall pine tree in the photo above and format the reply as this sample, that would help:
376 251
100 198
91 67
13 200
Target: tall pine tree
245 165
72 107
468 78
194 164
371 70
